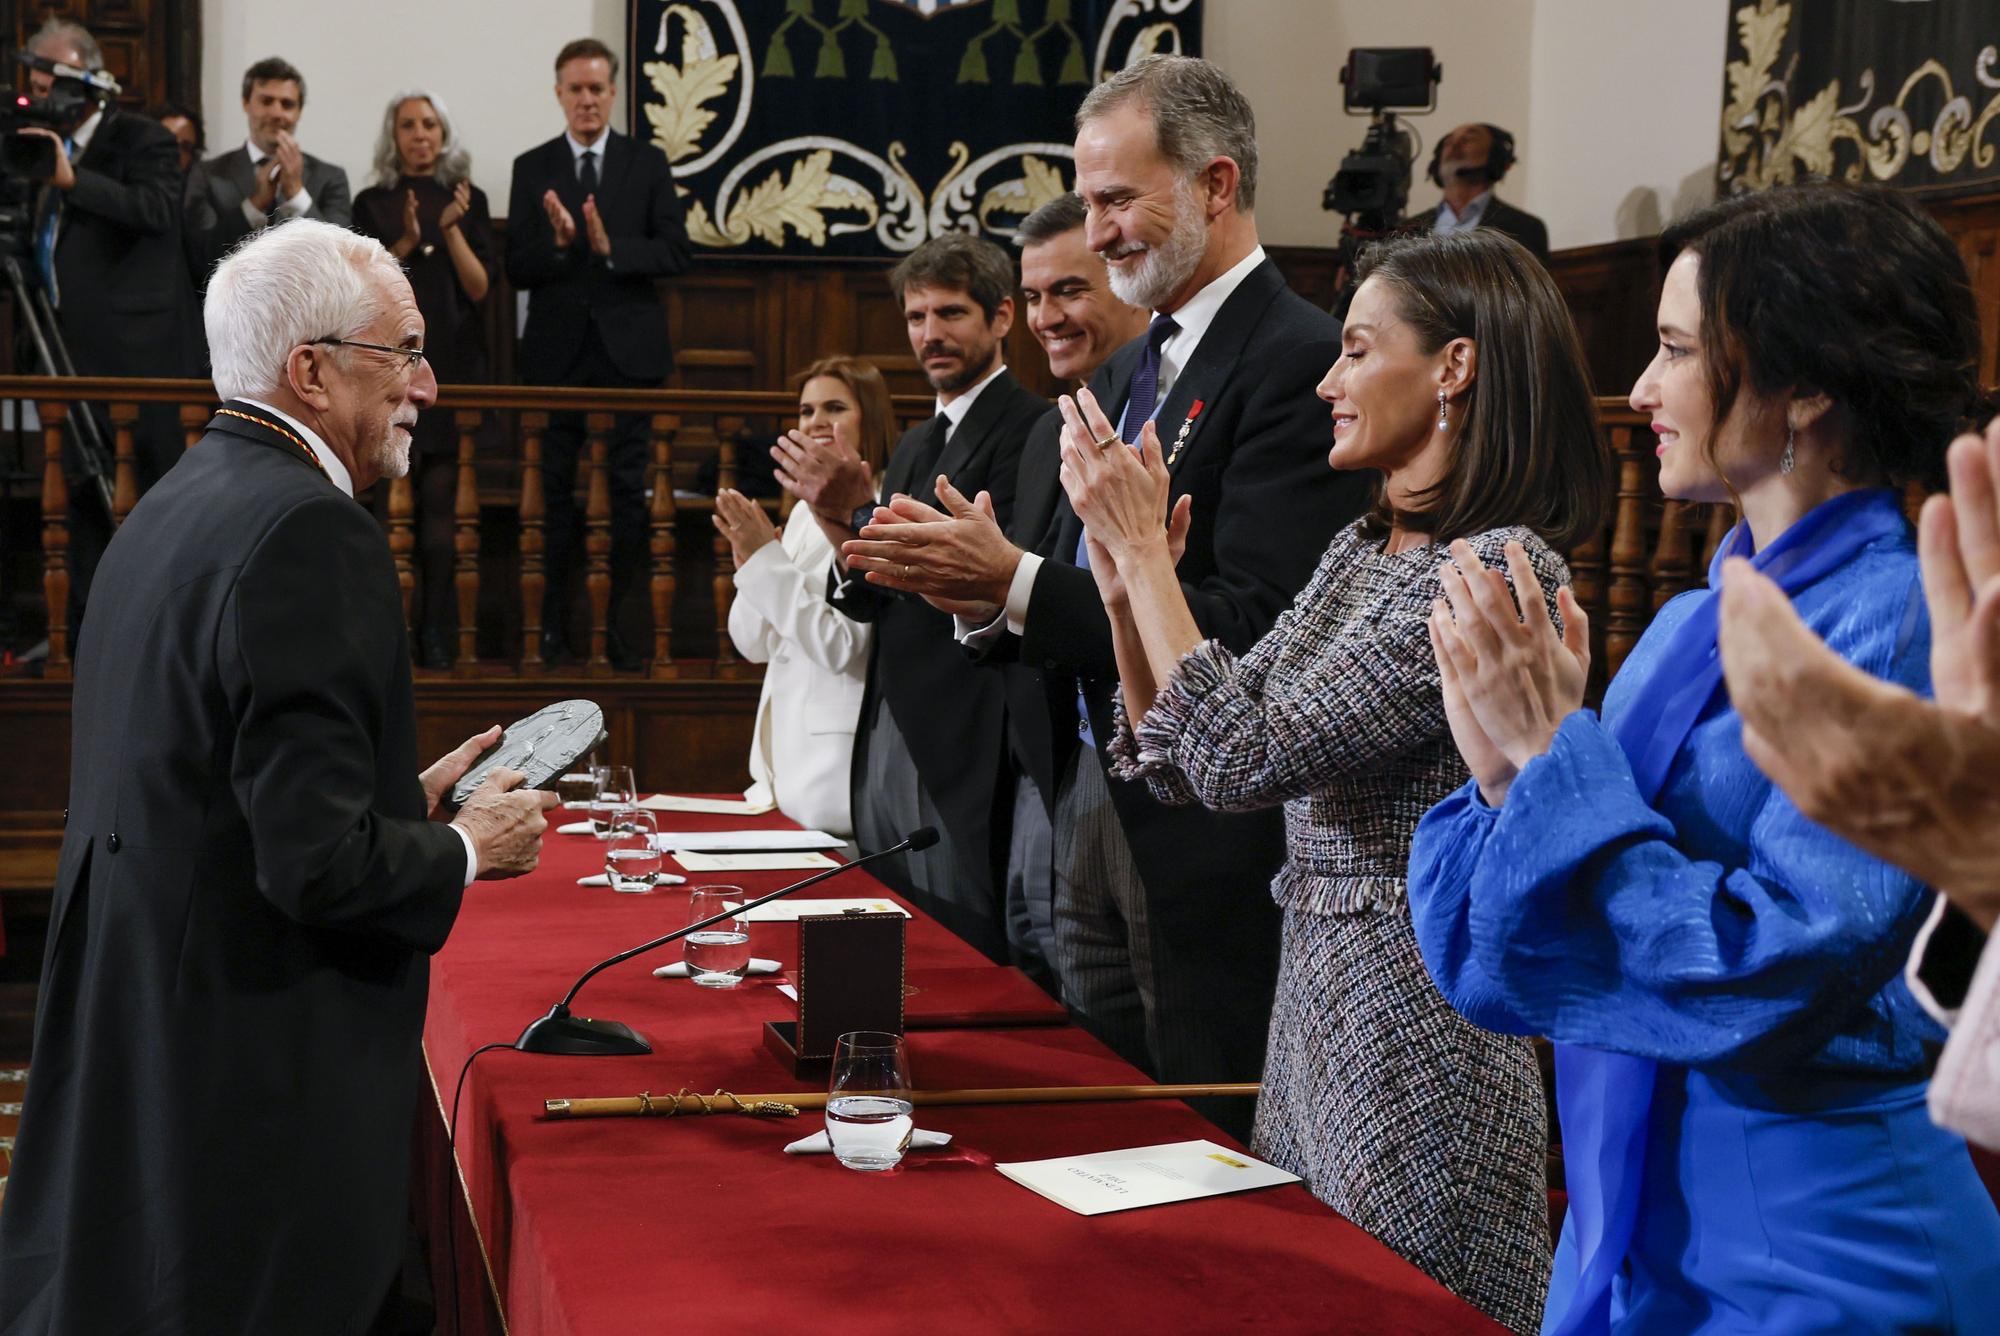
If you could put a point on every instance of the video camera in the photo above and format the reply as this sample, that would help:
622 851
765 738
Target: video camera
1372 188
76 94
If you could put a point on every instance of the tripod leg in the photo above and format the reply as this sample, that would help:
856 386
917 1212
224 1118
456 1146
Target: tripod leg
52 355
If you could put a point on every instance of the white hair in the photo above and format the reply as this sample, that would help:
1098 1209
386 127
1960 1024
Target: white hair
454 163
284 286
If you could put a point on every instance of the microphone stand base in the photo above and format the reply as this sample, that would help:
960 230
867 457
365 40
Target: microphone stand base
560 1032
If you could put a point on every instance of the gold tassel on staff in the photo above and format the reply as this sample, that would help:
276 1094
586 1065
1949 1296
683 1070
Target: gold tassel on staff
789 1104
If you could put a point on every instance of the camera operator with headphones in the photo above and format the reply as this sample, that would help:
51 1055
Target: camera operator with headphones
1467 164
105 246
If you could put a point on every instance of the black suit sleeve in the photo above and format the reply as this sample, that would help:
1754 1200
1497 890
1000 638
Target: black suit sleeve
1269 529
315 623
663 248
333 202
146 197
1535 236
533 258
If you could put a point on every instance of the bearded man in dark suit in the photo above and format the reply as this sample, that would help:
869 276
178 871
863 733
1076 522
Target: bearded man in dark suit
253 873
1166 939
592 223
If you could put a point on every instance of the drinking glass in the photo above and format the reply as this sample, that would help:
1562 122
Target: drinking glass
868 1104
718 955
632 861
615 791
576 789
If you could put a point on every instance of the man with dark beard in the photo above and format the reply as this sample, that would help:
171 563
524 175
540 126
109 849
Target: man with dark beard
931 747
1164 946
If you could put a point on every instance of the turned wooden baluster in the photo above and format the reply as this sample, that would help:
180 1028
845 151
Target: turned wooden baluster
666 427
465 543
1587 578
1720 516
534 559
728 440
194 418
125 461
1673 568
55 539
1627 597
403 539
597 541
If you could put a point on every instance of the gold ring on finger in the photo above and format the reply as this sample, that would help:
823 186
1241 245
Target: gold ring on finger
1105 443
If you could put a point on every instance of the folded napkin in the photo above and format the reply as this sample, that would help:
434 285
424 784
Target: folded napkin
573 828
817 1144
679 969
659 879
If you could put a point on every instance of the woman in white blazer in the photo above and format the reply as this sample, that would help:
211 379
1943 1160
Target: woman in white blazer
817 658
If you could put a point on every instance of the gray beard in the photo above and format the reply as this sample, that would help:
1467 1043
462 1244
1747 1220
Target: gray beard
390 459
1165 269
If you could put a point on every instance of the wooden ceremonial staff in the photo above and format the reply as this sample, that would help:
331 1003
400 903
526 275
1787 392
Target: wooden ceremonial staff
789 1104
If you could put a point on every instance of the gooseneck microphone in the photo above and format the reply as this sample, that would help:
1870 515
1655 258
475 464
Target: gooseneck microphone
560 1032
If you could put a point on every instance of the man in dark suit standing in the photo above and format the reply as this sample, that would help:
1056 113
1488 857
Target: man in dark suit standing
1166 936
252 872
1467 164
107 251
592 223
269 178
931 747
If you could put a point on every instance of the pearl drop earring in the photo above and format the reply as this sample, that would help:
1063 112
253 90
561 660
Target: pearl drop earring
1789 460
1443 419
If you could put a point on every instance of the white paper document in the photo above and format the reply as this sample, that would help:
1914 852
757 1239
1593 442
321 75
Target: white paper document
745 841
775 861
788 910
754 802
1119 1180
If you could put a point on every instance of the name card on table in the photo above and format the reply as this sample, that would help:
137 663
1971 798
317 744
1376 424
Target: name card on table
1120 1180
849 977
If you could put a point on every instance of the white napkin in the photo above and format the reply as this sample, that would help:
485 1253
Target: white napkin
574 828
679 969
659 879
817 1144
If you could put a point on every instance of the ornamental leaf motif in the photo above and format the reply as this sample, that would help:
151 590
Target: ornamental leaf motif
768 208
1762 31
680 116
1038 183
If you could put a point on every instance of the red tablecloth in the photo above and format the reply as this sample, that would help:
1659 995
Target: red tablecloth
621 1225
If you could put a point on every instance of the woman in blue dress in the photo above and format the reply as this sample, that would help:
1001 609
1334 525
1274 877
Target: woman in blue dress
1740 1068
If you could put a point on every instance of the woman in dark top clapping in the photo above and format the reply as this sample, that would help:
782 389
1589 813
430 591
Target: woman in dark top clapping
425 209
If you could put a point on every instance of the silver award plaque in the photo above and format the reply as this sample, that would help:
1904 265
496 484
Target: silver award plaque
542 746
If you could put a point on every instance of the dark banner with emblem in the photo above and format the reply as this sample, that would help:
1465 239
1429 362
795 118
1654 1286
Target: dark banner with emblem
1892 91
865 127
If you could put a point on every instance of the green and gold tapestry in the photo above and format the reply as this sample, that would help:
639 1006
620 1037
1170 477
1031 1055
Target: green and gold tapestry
864 127
1892 91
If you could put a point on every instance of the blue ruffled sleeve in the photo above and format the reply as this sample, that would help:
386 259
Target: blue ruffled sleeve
1451 842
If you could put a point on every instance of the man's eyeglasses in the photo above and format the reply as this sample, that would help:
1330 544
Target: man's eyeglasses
412 357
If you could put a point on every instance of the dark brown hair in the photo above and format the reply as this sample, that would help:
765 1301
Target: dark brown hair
586 48
1529 451
871 396
274 69
1848 291
961 261
1063 214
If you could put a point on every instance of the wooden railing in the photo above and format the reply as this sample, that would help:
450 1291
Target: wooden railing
1650 549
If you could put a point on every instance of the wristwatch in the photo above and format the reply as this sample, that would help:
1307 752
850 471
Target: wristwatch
861 517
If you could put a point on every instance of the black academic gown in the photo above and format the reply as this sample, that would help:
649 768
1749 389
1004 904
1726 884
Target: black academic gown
226 1057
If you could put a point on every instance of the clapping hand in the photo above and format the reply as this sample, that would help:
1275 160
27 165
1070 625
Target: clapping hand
955 558
1513 675
743 523
1120 496
827 474
593 227
291 165
560 222
413 231
454 212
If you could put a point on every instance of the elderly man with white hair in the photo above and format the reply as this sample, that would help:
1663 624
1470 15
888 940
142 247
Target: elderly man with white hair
253 872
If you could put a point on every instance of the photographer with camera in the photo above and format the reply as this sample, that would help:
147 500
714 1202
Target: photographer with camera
1467 164
101 191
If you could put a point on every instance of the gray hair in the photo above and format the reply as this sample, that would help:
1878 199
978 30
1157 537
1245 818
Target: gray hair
454 162
1198 114
73 35
1064 213
285 286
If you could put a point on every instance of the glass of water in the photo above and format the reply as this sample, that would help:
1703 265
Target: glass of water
576 789
868 1104
615 793
632 861
718 955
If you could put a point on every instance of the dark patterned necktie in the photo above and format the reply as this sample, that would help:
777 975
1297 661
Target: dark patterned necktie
1146 378
586 172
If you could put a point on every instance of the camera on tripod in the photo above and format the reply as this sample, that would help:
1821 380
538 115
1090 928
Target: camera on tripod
1371 191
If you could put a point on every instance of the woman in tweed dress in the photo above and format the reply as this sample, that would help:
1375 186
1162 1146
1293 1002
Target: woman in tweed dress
1460 379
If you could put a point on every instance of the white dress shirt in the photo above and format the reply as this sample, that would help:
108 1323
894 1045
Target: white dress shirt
1449 220
345 482
1965 1088
1192 319
291 207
